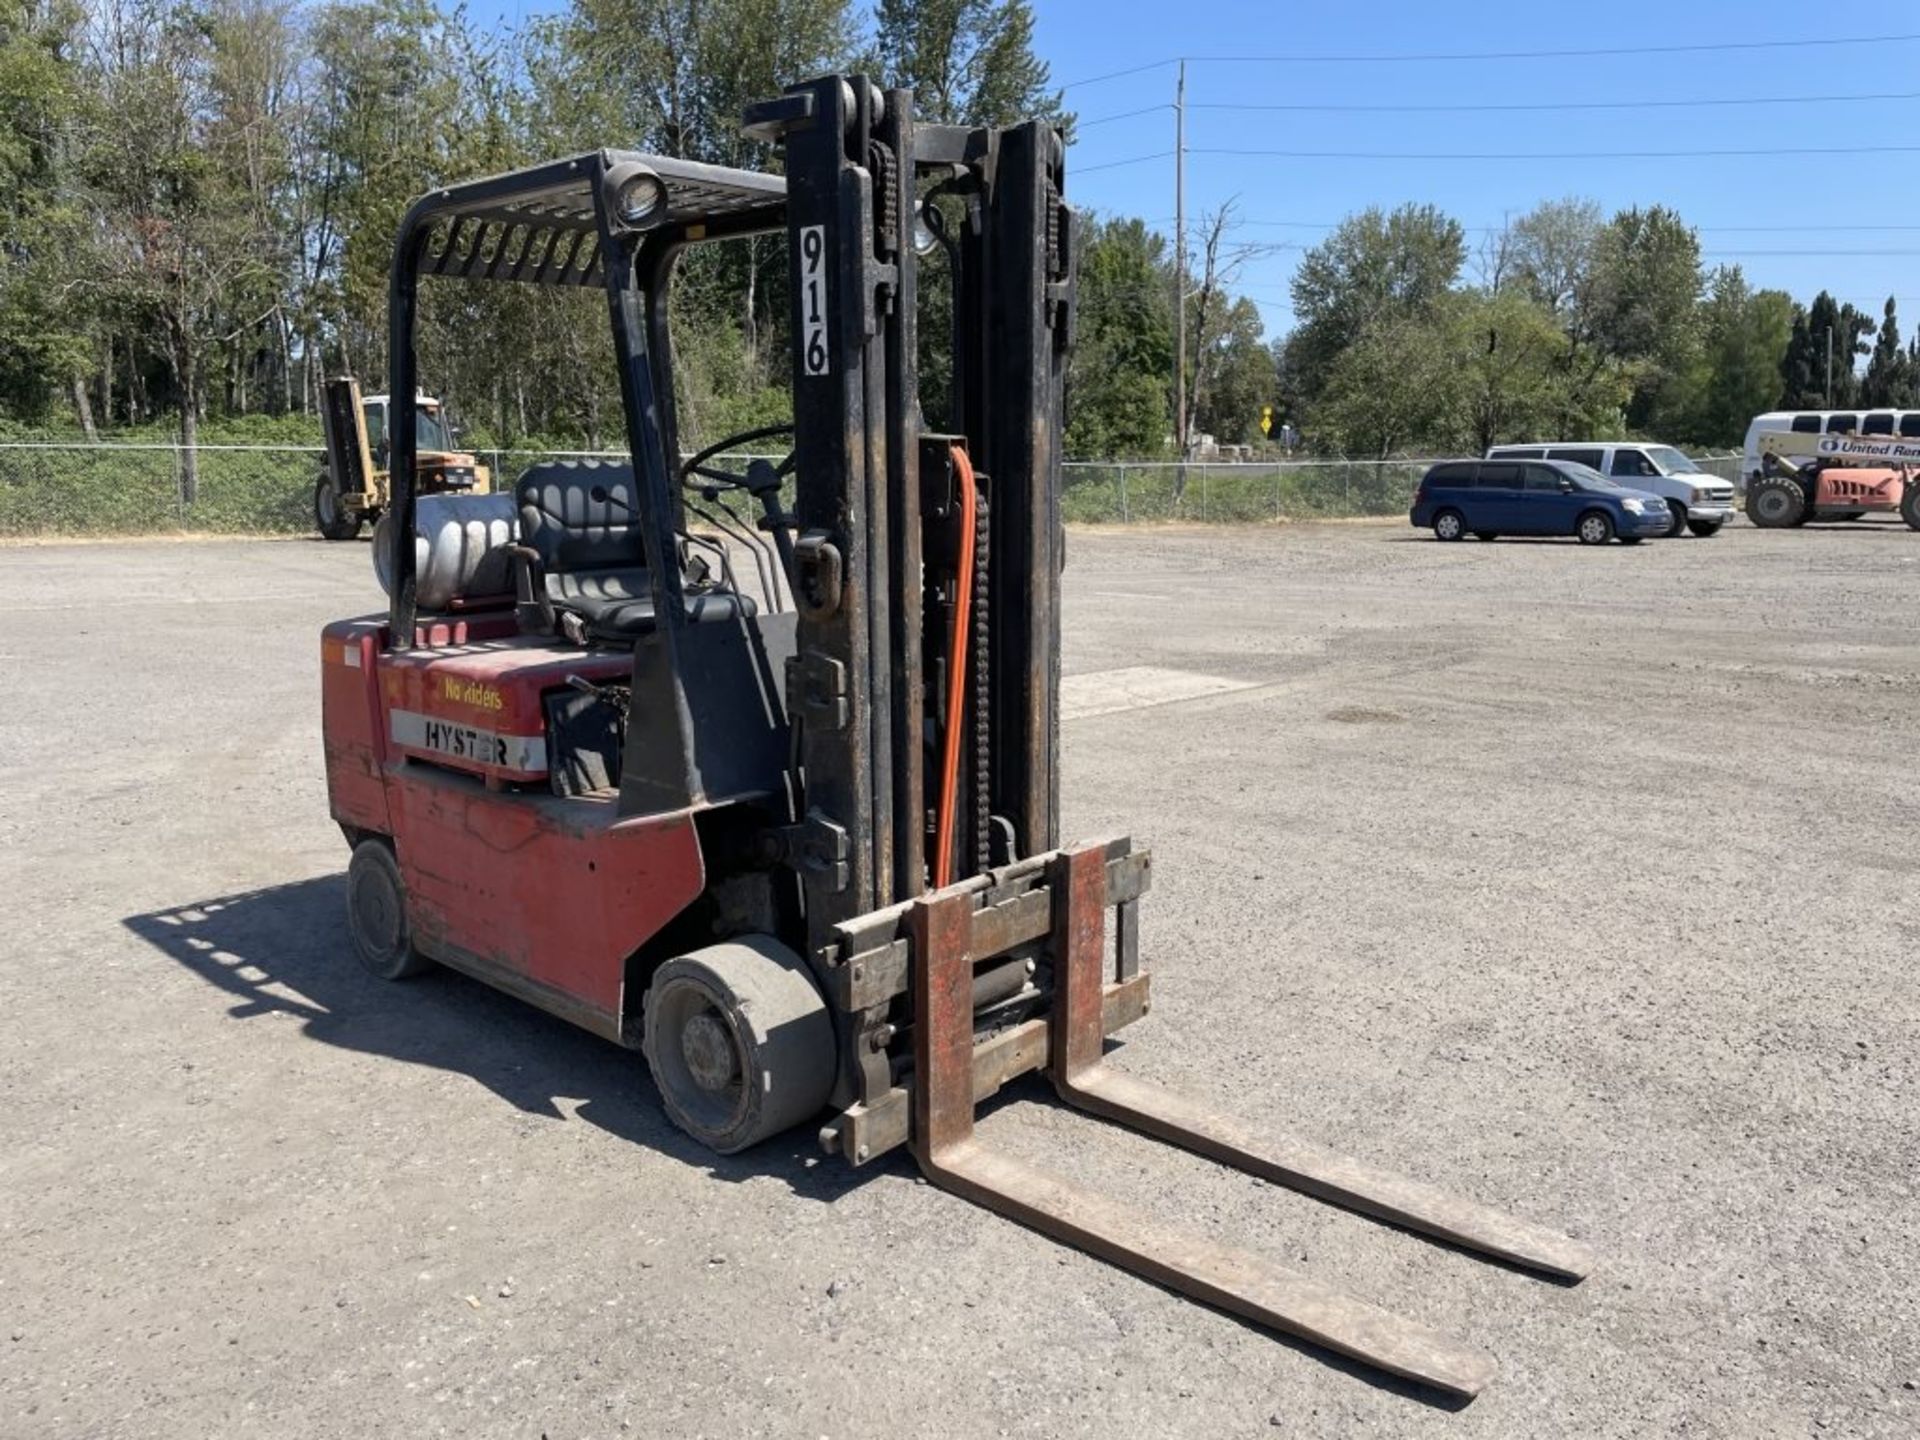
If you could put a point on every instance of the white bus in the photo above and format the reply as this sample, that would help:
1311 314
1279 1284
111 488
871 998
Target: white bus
1860 421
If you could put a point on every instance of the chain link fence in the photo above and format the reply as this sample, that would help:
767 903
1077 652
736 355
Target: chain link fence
52 488
1206 493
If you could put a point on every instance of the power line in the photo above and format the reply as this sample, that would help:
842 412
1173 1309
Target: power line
1558 154
1790 229
1120 74
1079 124
1822 228
1115 164
1425 57
1430 57
1825 254
1451 108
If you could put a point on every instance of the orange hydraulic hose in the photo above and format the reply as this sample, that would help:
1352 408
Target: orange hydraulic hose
957 655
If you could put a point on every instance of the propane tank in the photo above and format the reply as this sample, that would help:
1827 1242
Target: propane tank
459 549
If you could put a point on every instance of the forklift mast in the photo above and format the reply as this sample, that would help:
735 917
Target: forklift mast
870 478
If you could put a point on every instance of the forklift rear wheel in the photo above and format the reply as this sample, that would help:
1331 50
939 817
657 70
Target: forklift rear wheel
739 1042
377 914
333 522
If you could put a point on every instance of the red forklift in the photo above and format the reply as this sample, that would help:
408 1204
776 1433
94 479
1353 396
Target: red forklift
798 842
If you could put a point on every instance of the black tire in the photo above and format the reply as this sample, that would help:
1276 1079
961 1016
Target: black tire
332 522
1678 526
377 913
1774 503
1705 529
1910 504
739 1042
1488 535
1449 525
1594 527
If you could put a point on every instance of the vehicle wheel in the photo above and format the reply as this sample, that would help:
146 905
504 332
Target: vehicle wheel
1488 535
1448 525
739 1042
1910 505
1705 528
377 913
328 517
1595 528
1775 504
1679 525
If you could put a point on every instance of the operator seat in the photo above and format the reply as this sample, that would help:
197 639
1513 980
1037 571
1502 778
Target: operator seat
582 571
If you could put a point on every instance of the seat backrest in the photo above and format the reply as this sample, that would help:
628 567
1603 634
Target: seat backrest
573 532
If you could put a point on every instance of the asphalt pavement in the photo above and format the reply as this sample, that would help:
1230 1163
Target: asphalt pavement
1566 878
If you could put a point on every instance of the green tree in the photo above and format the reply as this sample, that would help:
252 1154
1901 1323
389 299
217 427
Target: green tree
47 330
1505 350
1120 371
1237 369
1646 286
1889 379
1394 388
385 118
1826 338
969 62
1549 255
1377 269
178 239
1746 335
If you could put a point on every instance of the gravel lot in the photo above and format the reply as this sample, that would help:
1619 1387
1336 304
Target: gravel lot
1566 878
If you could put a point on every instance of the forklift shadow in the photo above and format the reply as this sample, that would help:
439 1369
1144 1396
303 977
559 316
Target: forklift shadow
284 951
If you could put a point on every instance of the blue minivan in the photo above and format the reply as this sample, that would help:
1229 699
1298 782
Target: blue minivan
1491 498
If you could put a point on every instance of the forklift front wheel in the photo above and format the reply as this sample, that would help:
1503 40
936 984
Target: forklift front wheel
739 1042
377 913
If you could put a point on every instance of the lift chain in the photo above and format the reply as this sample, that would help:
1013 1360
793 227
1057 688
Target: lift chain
982 711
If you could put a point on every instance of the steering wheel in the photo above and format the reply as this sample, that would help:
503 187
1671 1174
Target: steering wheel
699 468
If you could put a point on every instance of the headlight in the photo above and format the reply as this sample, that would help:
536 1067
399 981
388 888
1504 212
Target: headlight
1697 497
640 198
1634 505
634 196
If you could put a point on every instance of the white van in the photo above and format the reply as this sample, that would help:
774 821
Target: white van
1904 423
1697 501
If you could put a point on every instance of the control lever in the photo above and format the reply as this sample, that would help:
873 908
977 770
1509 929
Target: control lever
763 483
617 696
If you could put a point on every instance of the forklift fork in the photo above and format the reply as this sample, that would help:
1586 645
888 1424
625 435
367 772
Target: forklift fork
952 1155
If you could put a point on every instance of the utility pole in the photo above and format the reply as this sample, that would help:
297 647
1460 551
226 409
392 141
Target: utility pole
1829 400
1180 262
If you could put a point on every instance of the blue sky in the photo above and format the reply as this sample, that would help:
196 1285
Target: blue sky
1082 39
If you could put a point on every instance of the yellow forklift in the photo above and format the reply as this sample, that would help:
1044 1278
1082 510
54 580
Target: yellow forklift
353 485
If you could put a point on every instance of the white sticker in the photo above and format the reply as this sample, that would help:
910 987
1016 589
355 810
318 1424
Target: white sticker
351 654
526 754
815 358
